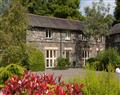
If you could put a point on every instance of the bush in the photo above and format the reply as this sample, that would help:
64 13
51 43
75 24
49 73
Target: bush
99 83
46 84
110 56
91 60
104 59
62 63
9 71
15 54
36 60
30 58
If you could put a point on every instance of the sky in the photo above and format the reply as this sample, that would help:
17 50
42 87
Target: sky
85 3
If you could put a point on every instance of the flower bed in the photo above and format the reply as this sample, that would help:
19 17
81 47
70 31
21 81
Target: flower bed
46 84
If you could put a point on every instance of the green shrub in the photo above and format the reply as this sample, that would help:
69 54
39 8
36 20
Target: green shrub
9 71
14 54
109 56
62 63
104 59
91 60
36 60
30 58
99 83
93 65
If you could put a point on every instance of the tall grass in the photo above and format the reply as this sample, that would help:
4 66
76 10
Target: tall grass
100 83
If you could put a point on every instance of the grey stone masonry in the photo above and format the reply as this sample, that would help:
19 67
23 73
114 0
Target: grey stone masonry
37 36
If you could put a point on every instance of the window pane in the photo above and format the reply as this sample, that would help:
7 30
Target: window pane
54 53
47 63
68 35
51 63
47 34
50 34
50 53
47 53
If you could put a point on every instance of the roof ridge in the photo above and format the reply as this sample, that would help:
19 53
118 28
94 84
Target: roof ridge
54 17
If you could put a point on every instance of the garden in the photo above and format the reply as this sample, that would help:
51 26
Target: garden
99 79
20 62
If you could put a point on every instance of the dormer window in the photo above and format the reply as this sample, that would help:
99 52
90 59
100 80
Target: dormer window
67 35
48 33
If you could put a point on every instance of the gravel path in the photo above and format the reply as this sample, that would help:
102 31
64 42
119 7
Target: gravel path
70 73
66 74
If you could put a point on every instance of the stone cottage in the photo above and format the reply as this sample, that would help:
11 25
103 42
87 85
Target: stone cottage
57 37
113 39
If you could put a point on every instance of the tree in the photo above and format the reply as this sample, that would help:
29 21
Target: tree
98 21
117 11
13 28
57 8
13 25
4 4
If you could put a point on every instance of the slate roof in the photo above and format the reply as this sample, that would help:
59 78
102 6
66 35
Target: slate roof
115 29
53 22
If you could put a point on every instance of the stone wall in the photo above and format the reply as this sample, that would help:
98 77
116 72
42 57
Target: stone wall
76 44
37 36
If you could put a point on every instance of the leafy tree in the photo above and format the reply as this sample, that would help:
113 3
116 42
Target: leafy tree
57 8
13 28
117 11
13 25
4 4
98 21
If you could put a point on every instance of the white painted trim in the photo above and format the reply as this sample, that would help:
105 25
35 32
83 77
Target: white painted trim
51 48
68 48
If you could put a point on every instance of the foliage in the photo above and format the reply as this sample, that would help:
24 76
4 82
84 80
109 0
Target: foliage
62 63
109 56
10 70
90 60
104 59
13 25
14 54
32 84
57 8
117 11
99 83
36 60
98 21
4 4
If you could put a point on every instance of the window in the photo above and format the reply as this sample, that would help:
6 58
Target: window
51 56
48 33
85 54
67 35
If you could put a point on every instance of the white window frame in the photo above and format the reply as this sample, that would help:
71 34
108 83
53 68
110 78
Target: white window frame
50 58
49 34
67 35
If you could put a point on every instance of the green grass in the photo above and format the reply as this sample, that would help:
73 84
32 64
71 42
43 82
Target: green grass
99 83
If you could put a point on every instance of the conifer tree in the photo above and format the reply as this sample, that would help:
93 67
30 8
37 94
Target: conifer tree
57 8
117 11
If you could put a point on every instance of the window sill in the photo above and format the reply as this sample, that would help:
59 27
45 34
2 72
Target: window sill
49 38
67 39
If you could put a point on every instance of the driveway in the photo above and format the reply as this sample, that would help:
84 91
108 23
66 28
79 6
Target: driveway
66 74
71 73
